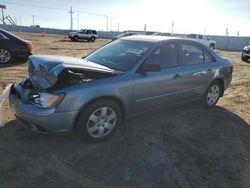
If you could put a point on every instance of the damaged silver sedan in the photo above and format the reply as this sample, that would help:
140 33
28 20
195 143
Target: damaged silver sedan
126 77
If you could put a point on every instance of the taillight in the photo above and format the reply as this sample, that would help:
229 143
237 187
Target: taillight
231 68
29 46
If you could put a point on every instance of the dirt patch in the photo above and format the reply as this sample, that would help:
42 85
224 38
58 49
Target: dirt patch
181 147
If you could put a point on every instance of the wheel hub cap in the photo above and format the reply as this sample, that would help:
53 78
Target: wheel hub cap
213 94
4 56
101 122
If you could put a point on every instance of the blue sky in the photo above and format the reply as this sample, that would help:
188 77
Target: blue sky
189 16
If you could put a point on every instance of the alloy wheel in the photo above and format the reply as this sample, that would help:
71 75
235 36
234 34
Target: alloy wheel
4 56
213 95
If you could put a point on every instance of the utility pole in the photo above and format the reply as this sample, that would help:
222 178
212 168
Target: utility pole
118 27
172 28
110 24
78 20
2 7
33 20
107 22
71 18
227 32
20 19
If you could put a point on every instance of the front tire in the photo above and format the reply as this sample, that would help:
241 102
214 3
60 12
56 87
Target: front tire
212 95
5 56
99 120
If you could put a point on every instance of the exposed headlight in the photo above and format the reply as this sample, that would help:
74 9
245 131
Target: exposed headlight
46 100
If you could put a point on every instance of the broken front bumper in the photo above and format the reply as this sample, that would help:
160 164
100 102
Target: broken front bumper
37 119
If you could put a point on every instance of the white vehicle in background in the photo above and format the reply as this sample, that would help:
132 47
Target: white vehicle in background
162 34
203 39
86 34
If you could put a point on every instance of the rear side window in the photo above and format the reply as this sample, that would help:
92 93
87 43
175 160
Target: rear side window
2 36
88 32
208 57
94 32
191 54
191 36
200 37
165 55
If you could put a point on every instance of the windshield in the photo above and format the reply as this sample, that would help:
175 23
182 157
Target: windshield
119 55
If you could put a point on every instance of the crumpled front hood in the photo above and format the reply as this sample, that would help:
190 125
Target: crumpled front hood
44 69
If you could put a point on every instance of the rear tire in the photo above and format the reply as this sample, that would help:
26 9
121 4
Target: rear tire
98 121
211 95
92 39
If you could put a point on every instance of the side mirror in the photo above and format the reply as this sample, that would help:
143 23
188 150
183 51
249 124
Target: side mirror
147 67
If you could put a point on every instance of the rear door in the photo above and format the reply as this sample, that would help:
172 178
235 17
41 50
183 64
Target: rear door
163 88
196 74
88 34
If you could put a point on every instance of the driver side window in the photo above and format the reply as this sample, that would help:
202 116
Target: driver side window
165 55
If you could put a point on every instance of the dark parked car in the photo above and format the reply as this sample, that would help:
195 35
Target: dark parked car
11 47
245 56
129 76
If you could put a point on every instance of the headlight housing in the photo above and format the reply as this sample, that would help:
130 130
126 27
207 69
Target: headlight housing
46 100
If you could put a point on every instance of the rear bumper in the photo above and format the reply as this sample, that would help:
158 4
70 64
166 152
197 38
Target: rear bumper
38 119
22 54
227 82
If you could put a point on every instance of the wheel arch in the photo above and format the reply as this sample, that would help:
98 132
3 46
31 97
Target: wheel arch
221 81
112 98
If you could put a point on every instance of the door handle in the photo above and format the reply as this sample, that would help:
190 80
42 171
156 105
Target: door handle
177 76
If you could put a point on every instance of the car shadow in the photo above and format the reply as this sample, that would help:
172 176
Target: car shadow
14 63
183 147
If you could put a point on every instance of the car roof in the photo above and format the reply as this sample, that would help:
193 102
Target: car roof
155 38
87 29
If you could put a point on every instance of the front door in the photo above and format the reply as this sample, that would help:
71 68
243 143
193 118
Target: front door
163 88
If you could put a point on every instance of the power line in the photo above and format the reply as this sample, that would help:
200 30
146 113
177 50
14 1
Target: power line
36 6
55 8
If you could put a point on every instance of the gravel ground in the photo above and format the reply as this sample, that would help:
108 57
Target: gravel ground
181 147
